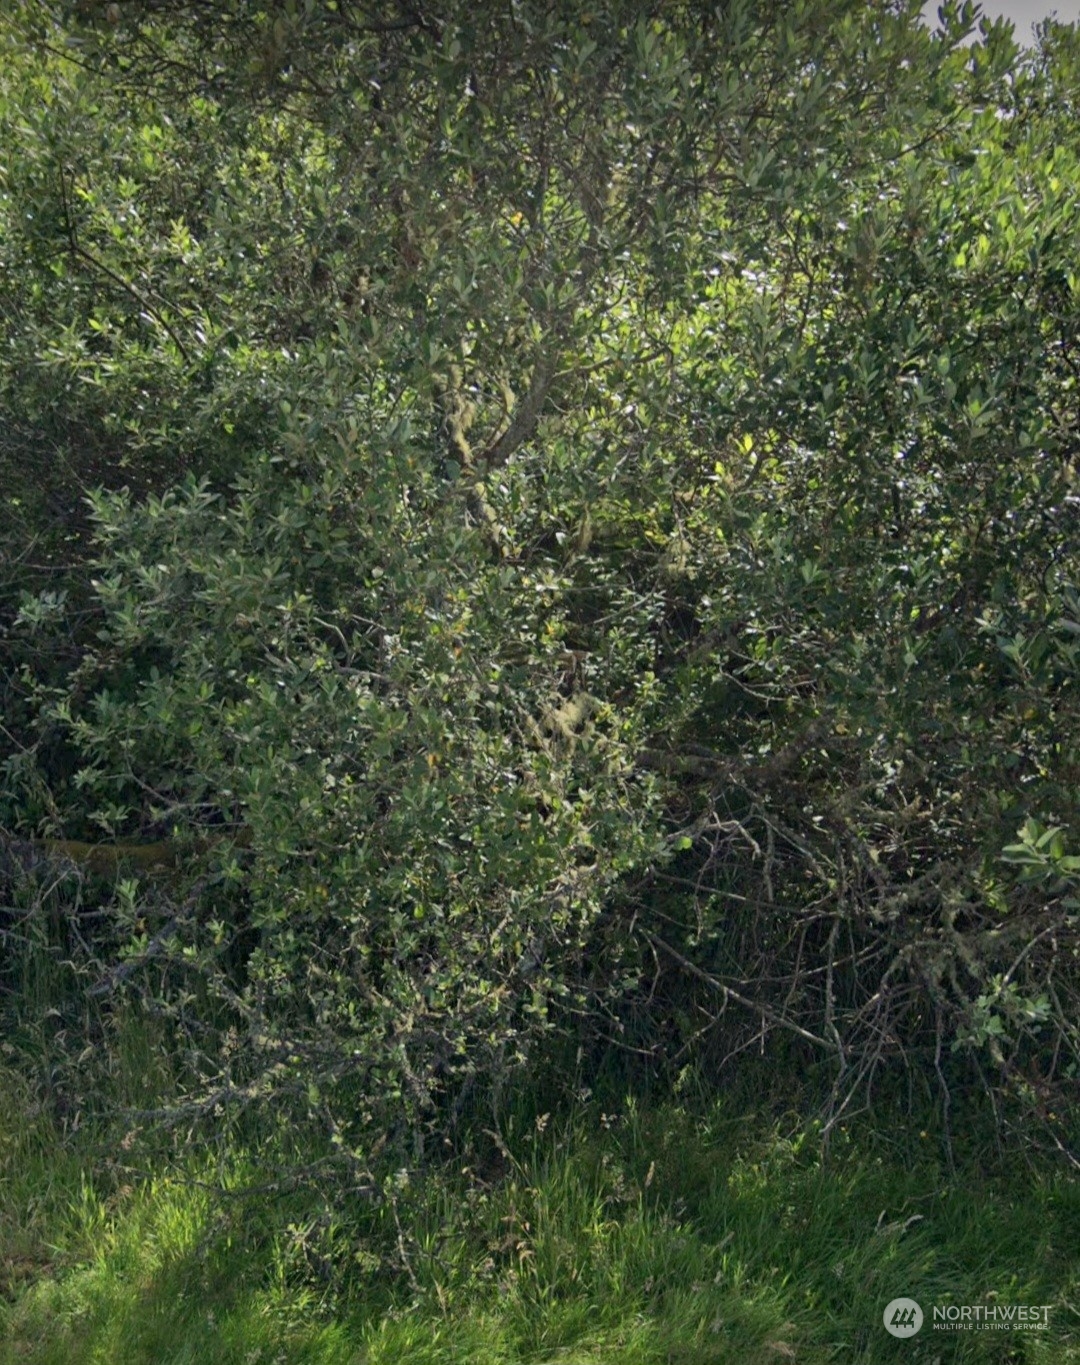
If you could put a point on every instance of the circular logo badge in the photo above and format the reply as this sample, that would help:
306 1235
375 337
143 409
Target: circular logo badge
902 1317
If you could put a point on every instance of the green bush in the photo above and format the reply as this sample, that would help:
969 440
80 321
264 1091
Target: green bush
601 544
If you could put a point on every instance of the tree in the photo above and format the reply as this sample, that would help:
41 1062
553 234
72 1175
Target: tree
567 439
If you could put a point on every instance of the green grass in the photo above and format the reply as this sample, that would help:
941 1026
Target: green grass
648 1236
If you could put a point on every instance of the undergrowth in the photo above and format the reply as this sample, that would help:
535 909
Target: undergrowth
667 1233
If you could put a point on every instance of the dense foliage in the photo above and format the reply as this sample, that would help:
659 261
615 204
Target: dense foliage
580 534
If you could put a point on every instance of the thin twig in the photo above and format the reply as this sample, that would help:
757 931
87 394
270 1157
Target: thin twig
728 994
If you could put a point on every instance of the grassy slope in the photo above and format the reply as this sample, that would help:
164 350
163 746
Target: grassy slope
645 1237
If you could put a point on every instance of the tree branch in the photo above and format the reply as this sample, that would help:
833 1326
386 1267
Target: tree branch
525 416
765 1011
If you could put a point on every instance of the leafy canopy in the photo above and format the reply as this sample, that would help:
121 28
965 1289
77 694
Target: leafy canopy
599 526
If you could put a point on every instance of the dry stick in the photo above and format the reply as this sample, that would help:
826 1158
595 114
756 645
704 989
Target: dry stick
946 1094
865 1073
728 994
147 307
